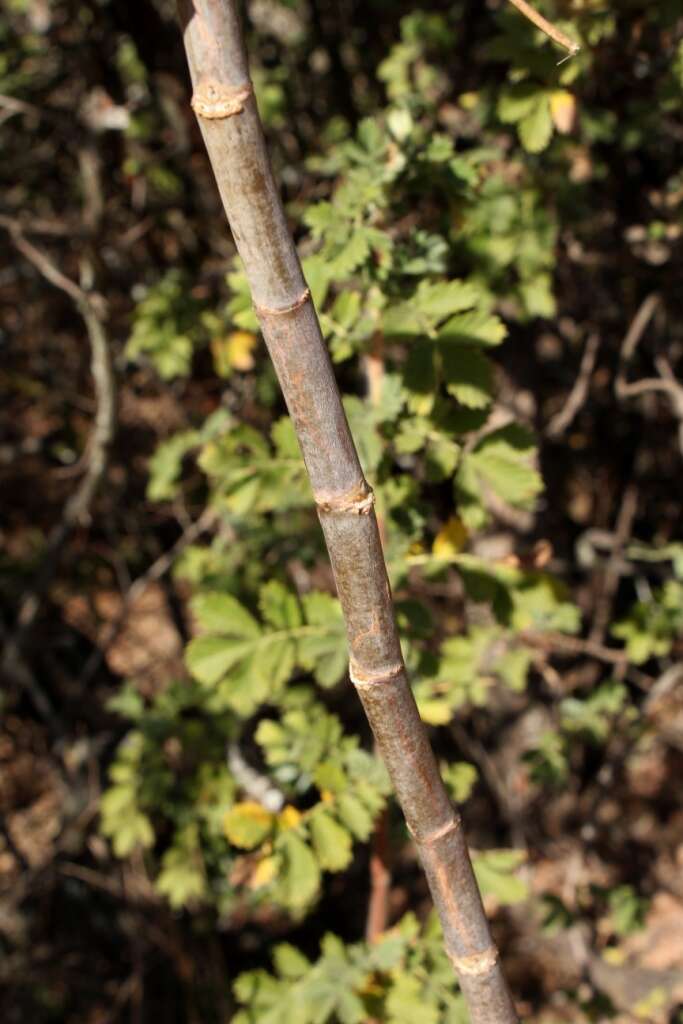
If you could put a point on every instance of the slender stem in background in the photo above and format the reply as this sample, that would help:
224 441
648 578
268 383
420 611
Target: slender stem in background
554 33
380 879
224 103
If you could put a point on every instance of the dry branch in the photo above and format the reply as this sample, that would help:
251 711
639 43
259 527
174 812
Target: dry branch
579 392
666 383
229 121
76 509
552 31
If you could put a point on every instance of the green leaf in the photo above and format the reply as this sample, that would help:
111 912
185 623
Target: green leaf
460 779
317 274
548 764
351 255
517 103
391 399
503 462
473 328
182 878
540 601
127 826
651 627
321 217
331 842
468 375
627 910
406 1003
223 613
166 464
513 667
290 962
247 824
330 776
248 477
536 128
537 295
368 441
595 714
355 815
284 438
440 299
299 879
251 662
166 326
419 373
495 871
324 651
431 303
279 606
210 658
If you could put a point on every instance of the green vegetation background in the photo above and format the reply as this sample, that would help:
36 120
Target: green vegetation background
194 824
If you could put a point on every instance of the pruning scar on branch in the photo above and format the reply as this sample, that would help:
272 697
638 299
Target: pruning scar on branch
214 100
302 299
478 963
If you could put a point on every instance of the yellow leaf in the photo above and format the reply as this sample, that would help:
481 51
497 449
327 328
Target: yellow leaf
450 539
233 353
241 347
563 110
654 1001
264 872
468 100
435 711
289 817
247 824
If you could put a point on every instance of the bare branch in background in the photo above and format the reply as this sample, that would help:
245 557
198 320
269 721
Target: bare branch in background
579 393
666 383
77 508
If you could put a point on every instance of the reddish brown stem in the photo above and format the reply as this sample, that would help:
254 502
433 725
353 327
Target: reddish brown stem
380 880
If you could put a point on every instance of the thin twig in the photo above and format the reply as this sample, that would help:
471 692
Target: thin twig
579 392
554 33
666 383
380 879
612 573
573 645
638 327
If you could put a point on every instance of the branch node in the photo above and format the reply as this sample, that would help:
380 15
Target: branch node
363 677
284 310
359 503
476 963
214 100
438 833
